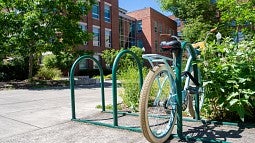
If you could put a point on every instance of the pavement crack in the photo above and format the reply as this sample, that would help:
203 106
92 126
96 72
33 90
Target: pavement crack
21 122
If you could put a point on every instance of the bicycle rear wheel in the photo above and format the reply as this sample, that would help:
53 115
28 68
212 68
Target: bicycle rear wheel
158 105
190 89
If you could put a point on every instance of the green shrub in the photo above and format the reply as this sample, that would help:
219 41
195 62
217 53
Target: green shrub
131 88
15 69
229 71
50 61
49 73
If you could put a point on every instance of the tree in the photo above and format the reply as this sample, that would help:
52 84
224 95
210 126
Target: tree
242 15
199 16
186 9
195 30
126 61
31 27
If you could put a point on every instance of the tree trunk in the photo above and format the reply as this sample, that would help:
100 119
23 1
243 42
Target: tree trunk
30 68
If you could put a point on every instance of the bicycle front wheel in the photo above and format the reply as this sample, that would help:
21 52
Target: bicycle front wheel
158 105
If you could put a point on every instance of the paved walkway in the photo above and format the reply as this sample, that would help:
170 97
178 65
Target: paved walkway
43 116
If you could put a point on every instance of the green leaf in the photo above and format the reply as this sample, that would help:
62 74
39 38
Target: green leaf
233 101
231 81
242 80
232 95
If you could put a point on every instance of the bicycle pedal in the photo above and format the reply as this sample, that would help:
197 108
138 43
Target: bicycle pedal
193 90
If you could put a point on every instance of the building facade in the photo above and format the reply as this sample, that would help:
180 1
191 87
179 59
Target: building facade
150 24
102 21
113 27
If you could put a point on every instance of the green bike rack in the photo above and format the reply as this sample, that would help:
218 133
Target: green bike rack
114 91
114 81
72 82
114 94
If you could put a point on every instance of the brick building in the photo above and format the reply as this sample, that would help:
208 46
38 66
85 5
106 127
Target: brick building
180 24
102 21
150 24
113 27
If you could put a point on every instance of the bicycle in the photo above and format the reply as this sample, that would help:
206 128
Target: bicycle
158 97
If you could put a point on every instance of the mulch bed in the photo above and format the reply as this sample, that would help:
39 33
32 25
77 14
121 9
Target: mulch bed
33 84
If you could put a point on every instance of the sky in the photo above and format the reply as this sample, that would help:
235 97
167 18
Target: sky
131 5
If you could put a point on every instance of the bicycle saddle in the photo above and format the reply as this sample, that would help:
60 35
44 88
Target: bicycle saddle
171 45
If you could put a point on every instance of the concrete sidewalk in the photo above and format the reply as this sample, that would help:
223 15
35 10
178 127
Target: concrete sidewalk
44 116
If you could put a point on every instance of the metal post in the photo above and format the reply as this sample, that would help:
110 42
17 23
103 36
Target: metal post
178 55
114 81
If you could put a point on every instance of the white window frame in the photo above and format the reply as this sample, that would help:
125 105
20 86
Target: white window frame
96 56
108 44
83 64
84 27
96 15
107 19
96 42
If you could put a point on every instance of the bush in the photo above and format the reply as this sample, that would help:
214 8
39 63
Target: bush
49 73
130 84
229 71
15 69
50 61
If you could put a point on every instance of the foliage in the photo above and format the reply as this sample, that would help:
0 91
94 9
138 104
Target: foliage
13 69
49 61
126 61
242 13
48 73
109 55
199 16
35 26
229 71
127 74
185 9
195 30
63 60
130 83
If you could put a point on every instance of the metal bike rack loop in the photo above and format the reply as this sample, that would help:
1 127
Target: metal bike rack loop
72 82
114 91
114 80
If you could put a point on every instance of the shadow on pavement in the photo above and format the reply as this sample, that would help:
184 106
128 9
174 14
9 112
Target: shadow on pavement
212 133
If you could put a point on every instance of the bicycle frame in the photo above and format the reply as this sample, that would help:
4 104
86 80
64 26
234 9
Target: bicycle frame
155 59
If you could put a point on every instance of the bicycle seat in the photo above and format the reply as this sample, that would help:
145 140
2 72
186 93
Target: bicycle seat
171 45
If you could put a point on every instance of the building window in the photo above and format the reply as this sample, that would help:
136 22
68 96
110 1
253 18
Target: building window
96 36
156 45
108 38
213 1
140 43
95 66
166 30
83 64
155 26
139 26
160 28
179 34
107 13
83 27
95 11
178 21
171 31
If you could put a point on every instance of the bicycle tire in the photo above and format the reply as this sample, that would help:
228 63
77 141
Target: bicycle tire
158 107
188 84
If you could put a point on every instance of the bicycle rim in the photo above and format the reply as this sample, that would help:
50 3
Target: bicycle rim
158 105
